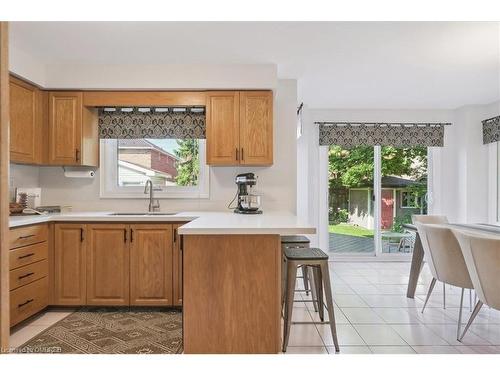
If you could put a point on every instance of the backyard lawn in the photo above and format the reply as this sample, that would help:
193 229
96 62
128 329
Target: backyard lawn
350 230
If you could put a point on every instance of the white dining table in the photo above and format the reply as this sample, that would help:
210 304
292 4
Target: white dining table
417 260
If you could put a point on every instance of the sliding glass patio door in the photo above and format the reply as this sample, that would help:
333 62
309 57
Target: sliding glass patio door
373 191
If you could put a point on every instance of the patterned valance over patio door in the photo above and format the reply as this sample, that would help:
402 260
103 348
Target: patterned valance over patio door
348 135
491 130
155 123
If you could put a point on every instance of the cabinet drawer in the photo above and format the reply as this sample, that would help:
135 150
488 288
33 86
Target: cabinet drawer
27 274
27 235
28 254
28 300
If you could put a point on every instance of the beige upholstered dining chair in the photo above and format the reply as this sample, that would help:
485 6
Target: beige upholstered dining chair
482 257
448 263
430 219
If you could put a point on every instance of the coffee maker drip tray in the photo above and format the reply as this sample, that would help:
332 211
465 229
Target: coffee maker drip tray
247 212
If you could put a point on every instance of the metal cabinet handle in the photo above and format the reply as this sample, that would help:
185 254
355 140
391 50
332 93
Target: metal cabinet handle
242 155
175 235
131 235
27 236
82 238
25 303
237 154
124 235
26 256
23 276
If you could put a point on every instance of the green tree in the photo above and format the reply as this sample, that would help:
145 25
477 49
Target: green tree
188 166
354 167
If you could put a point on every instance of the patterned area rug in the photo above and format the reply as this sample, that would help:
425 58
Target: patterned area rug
112 330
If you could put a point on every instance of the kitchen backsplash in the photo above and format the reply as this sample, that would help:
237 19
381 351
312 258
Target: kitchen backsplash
23 176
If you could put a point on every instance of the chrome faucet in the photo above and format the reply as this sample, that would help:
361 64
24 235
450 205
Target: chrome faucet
152 206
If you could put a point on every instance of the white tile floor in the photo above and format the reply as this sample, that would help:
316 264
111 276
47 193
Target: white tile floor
372 313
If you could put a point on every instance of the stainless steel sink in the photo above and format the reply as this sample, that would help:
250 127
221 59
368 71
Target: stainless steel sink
142 213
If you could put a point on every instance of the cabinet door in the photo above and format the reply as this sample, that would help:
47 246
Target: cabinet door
24 120
151 264
256 127
65 128
107 264
222 125
177 267
69 264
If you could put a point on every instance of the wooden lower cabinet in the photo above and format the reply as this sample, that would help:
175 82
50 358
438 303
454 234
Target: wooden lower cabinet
28 300
177 267
108 263
232 294
69 264
151 264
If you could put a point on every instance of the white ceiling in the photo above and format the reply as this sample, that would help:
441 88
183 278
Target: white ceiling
337 64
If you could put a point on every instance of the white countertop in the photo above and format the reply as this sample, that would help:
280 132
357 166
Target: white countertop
204 222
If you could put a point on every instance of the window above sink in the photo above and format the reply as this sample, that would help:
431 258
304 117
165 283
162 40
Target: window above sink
176 167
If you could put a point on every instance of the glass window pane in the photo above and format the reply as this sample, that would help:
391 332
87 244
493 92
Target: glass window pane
404 193
351 224
166 162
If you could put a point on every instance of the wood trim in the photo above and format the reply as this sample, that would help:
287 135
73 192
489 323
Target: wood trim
4 188
144 98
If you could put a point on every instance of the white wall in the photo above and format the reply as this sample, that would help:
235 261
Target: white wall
161 77
463 167
276 183
22 64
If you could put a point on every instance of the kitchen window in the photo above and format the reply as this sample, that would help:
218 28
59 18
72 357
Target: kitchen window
176 167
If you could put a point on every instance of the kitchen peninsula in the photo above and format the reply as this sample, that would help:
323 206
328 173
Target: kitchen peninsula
230 267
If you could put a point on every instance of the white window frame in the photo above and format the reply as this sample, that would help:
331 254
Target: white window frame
109 187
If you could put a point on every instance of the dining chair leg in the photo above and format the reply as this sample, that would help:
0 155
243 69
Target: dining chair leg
444 296
291 271
319 292
429 292
460 314
305 278
478 306
325 276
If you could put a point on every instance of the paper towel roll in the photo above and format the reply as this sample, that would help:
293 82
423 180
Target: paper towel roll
79 174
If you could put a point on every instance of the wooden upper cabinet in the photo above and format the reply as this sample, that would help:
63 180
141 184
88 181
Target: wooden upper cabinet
73 130
69 264
151 264
240 128
108 264
65 127
177 267
26 122
256 127
222 127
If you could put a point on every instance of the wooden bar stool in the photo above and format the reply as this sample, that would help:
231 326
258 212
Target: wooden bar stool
317 260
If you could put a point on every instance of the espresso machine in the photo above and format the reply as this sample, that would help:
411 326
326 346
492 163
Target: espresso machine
248 203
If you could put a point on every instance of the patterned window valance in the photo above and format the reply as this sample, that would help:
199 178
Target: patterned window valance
156 123
491 130
348 135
